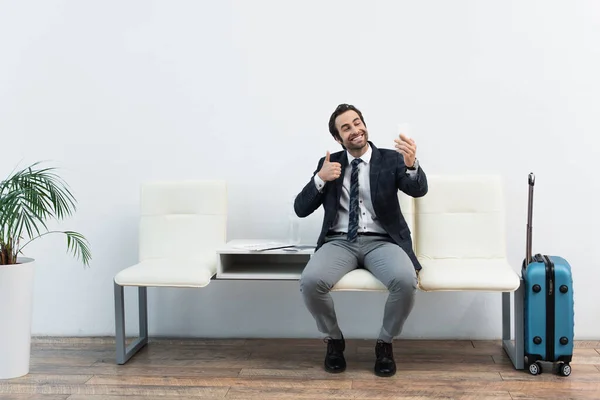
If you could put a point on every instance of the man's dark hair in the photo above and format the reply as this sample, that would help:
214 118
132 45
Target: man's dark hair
342 108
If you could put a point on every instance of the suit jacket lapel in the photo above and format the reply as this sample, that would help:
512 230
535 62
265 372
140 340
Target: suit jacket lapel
374 172
339 182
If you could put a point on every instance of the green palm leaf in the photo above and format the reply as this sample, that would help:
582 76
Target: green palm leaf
78 245
29 198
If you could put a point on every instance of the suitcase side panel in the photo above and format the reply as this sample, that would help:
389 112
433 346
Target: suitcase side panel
565 313
535 310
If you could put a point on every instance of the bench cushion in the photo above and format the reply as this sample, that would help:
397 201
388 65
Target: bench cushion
169 273
468 275
359 280
461 235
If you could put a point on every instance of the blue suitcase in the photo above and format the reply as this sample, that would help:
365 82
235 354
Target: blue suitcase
549 307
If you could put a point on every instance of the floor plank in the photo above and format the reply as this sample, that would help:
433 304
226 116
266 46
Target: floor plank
476 384
395 393
587 344
128 397
29 388
52 378
32 397
219 382
560 394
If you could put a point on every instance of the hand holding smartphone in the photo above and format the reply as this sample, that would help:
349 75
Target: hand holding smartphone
405 144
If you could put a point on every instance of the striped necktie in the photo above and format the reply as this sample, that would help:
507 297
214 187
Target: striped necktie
353 217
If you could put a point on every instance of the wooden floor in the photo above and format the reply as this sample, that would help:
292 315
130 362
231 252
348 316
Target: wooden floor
84 368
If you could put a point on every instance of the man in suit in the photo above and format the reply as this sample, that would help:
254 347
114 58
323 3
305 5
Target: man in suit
363 227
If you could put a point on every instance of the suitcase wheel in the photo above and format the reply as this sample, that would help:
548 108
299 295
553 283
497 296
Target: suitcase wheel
564 370
535 368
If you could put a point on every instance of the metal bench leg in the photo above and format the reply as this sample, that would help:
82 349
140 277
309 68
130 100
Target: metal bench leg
516 350
124 352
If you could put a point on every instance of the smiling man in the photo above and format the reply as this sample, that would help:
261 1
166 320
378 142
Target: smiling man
363 227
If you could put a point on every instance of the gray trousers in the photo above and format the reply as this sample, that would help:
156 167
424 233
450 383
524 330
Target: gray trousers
387 261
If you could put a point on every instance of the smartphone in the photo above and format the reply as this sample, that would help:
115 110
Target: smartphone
404 128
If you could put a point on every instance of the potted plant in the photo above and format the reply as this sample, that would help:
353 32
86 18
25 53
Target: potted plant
29 198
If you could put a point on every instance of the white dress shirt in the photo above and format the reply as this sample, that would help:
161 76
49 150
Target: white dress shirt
367 220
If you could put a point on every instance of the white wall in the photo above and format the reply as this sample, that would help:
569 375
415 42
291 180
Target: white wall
116 93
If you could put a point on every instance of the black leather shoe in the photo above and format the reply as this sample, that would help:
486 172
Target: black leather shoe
334 360
384 365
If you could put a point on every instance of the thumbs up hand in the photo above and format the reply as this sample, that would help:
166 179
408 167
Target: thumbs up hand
330 170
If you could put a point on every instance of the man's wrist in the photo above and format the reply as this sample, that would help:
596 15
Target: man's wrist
414 166
319 183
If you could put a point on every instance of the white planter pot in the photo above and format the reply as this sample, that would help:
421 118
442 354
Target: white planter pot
16 307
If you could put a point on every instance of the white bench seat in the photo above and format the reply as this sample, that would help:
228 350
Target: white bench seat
165 272
484 275
359 280
489 275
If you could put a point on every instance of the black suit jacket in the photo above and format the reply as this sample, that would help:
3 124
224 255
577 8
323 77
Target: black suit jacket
387 175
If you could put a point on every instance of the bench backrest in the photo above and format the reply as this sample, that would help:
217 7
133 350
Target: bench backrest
182 219
460 217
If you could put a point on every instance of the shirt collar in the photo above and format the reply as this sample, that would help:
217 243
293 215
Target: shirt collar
365 157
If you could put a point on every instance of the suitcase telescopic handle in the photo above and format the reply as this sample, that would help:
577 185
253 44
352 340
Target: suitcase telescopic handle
528 255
